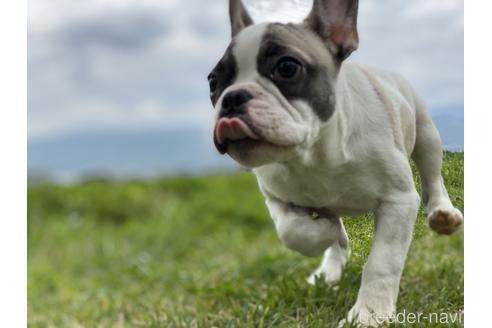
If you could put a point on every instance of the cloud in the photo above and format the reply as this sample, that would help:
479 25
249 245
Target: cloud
128 64
148 114
102 70
122 31
283 11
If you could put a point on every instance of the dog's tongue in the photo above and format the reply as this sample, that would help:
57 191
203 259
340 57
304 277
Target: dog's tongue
232 129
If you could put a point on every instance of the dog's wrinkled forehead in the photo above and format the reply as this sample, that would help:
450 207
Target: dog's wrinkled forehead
255 51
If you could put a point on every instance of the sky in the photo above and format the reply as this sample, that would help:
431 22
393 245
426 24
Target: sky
141 64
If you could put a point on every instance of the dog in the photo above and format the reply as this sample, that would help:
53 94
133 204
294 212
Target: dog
327 138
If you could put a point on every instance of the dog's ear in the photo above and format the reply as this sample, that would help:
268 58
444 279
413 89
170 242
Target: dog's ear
335 21
239 16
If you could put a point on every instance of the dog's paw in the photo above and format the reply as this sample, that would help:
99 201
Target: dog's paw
362 316
331 268
445 221
330 276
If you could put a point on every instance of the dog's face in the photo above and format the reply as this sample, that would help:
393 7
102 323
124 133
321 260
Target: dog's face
274 87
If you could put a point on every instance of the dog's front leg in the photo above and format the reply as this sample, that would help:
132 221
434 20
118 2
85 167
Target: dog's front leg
376 301
299 231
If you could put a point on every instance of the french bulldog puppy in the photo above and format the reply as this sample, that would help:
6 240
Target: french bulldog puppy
326 139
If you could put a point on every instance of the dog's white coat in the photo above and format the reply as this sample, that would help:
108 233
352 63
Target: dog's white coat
357 161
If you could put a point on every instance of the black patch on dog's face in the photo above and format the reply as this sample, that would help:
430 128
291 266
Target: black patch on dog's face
313 85
223 74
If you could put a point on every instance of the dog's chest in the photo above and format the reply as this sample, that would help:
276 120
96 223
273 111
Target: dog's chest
341 191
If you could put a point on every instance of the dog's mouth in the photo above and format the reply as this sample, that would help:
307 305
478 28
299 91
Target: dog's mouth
234 131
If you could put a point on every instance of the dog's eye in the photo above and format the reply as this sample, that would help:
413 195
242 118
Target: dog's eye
212 82
287 68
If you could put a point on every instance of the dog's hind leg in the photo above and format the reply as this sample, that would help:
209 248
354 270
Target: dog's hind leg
443 217
334 260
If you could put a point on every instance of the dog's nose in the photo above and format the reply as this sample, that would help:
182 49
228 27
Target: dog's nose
232 104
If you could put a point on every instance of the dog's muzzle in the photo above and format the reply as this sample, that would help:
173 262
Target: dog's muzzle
231 125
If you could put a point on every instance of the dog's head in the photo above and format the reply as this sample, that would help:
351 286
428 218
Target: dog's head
274 87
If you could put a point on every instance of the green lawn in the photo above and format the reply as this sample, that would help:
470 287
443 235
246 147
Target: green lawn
202 252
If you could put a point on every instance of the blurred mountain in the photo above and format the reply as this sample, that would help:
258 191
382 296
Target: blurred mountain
125 154
450 123
451 129
151 153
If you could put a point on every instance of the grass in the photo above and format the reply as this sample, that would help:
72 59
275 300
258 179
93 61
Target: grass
202 252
